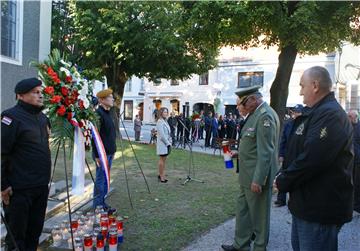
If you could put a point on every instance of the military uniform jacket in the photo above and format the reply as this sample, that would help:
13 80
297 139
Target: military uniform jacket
258 147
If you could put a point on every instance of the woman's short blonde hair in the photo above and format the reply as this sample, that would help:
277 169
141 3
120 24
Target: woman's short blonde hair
161 111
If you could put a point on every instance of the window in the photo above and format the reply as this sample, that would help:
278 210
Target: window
174 82
128 85
247 79
142 85
128 109
157 82
10 30
204 79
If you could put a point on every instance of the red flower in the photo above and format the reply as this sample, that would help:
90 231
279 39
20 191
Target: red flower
81 124
56 79
73 122
64 91
69 116
75 93
56 99
61 111
68 79
68 101
81 104
50 71
49 90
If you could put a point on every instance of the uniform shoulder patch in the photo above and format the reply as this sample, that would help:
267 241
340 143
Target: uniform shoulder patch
6 120
266 123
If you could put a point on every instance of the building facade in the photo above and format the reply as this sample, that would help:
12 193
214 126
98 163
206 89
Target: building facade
237 68
25 37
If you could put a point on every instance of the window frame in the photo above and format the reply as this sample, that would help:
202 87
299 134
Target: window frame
252 74
18 60
201 77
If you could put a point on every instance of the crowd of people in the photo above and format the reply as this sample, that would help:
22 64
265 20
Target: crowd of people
315 159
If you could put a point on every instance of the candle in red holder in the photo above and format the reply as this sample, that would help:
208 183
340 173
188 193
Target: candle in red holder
88 242
104 222
113 236
113 227
112 219
100 243
74 223
120 223
104 232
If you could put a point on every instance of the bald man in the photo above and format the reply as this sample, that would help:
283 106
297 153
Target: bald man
354 119
319 162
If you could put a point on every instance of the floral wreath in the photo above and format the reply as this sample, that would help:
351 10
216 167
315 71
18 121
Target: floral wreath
67 98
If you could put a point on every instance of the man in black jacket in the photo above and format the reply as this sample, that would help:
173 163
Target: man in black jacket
108 136
319 162
25 165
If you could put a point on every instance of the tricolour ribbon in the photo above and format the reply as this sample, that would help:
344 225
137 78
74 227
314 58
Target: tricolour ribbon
102 155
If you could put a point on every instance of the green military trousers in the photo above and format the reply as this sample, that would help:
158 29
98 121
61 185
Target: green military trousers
252 216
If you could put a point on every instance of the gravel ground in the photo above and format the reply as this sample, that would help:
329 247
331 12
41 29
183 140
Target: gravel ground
280 227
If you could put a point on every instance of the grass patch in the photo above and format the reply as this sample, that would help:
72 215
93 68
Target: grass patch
173 215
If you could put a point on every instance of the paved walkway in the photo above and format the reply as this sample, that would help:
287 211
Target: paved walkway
280 225
280 229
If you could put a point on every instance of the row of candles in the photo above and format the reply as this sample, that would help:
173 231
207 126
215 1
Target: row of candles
93 230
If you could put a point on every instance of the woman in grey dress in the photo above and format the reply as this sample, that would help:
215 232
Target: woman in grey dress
163 143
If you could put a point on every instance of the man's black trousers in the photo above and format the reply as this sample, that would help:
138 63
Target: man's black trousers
25 216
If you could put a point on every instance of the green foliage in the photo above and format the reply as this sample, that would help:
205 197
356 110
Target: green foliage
311 26
145 39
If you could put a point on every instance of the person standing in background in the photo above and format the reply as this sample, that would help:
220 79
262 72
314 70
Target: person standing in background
163 143
173 124
354 118
137 127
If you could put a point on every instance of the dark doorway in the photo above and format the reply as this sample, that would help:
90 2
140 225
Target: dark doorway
231 109
206 107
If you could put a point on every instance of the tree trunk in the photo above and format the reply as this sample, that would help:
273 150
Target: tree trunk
280 87
118 79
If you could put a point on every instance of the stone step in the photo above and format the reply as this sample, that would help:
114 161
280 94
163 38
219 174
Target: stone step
59 201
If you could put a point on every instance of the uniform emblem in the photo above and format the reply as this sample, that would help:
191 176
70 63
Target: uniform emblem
6 120
300 129
323 132
267 123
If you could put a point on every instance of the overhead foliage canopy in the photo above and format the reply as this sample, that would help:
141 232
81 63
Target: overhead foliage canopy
295 27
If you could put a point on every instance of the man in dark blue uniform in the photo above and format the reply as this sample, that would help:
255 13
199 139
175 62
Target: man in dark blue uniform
294 113
354 118
319 160
25 165
108 136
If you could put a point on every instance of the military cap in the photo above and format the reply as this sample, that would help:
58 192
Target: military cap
104 93
297 108
27 85
243 93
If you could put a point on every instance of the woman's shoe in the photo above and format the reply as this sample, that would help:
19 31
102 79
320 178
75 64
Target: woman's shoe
164 181
159 178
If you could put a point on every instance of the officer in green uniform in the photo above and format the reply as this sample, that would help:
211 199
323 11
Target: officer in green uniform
258 164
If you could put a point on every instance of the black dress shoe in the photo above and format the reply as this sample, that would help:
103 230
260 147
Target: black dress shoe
229 248
164 181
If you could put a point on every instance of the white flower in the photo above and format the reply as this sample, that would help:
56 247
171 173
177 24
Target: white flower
86 103
67 72
64 63
84 89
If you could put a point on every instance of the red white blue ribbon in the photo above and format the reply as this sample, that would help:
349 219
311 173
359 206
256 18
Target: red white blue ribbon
102 155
